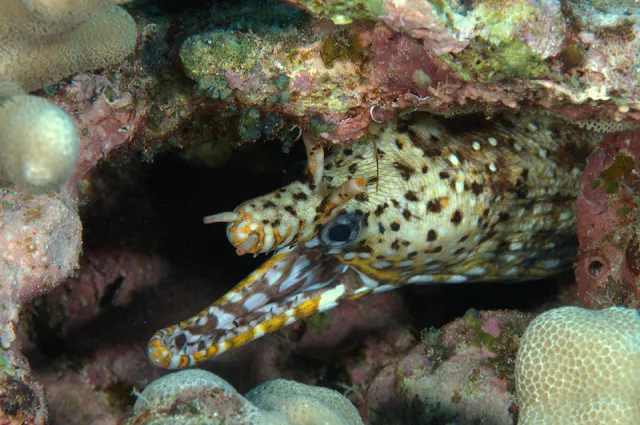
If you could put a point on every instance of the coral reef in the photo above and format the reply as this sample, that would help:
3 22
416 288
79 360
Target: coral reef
41 44
40 239
608 266
444 57
40 236
462 373
580 366
199 397
210 76
105 279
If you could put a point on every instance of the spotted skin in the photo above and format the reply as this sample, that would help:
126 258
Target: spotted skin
436 205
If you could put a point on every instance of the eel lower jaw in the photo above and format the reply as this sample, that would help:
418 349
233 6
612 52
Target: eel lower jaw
289 287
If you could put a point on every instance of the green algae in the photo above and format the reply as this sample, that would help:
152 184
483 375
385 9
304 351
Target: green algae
345 12
272 125
611 176
434 351
622 165
319 322
321 126
479 338
215 52
341 45
484 61
283 82
496 52
5 366
250 126
217 86
505 347
572 55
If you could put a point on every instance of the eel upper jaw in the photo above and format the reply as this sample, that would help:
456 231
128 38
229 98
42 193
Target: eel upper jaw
291 285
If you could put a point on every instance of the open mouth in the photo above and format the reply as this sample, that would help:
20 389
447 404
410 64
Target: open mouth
291 285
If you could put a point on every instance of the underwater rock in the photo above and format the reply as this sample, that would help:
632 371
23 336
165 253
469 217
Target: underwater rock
106 117
379 350
462 373
382 58
607 211
22 400
40 235
199 397
40 241
105 279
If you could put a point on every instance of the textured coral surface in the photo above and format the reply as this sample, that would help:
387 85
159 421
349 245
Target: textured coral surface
87 273
580 366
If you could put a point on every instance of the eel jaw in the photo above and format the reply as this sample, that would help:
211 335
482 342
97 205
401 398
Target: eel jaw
292 285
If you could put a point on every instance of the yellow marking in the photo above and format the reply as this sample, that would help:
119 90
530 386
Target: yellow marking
273 324
260 244
279 239
362 265
241 339
158 354
184 362
155 342
307 308
203 355
359 295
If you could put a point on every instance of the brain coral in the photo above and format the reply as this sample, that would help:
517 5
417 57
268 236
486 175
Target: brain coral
580 367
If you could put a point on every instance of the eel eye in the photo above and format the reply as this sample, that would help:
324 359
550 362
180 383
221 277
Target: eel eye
342 231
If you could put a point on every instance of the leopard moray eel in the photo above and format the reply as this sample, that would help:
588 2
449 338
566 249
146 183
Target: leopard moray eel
423 204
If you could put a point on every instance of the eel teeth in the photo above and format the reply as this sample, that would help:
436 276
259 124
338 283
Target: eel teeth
315 158
249 245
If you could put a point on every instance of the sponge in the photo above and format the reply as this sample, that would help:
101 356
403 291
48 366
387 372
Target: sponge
580 367
38 141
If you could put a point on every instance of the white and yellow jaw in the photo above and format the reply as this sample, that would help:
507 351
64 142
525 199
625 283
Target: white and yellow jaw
418 204
288 287
299 280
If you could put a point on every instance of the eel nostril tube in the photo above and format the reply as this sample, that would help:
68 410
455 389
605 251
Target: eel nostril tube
225 217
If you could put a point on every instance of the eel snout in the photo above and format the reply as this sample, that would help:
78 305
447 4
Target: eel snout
256 228
291 285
